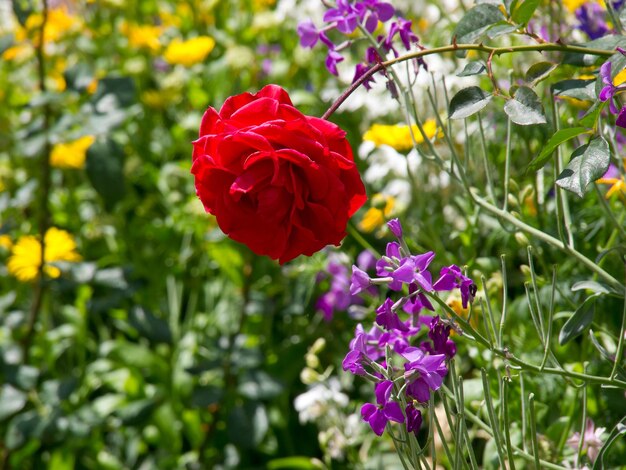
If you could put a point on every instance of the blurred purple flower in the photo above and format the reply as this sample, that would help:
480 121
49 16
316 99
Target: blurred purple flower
309 35
396 227
359 281
592 440
345 16
332 59
591 20
403 28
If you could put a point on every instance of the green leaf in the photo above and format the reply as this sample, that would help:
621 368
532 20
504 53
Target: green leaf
295 463
580 89
105 170
588 163
581 319
147 324
595 287
539 71
524 11
476 22
472 68
121 88
557 139
591 116
525 108
12 400
618 431
467 102
500 29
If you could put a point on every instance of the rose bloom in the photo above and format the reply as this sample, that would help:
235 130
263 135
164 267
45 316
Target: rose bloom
276 180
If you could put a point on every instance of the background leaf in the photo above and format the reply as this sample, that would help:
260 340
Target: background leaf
467 102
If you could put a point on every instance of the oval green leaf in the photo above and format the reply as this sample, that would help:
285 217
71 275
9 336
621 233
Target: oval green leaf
588 163
581 319
525 108
467 102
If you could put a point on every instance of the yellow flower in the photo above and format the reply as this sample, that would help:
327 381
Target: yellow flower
71 154
258 5
619 78
59 23
399 136
17 53
5 242
573 5
189 52
142 36
92 87
26 254
618 186
375 216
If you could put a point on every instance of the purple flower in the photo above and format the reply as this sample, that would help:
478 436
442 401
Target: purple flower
384 411
332 59
591 20
405 270
417 301
607 92
441 344
425 372
338 297
309 35
360 281
370 11
387 318
345 17
592 440
363 348
621 118
366 260
403 28
451 277
359 71
396 227
413 418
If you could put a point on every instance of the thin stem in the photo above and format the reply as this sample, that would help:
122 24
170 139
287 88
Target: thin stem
550 315
533 430
504 300
620 344
550 240
496 51
483 143
492 418
44 186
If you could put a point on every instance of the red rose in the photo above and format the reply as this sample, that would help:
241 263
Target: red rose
278 181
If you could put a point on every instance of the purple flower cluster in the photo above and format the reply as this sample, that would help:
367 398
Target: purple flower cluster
345 18
340 296
609 90
592 19
405 374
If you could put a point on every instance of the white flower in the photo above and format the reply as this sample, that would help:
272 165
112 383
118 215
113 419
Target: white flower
317 401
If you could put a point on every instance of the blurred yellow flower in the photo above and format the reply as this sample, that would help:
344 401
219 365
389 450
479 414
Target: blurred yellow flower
375 216
189 52
262 4
71 154
92 87
59 23
25 256
5 242
619 78
573 5
399 136
142 36
17 53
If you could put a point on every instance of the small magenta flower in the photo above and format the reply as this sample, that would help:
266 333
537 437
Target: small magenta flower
385 409
396 227
360 281
345 17
609 90
309 35
332 59
403 28
413 418
424 372
387 318
451 277
439 334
